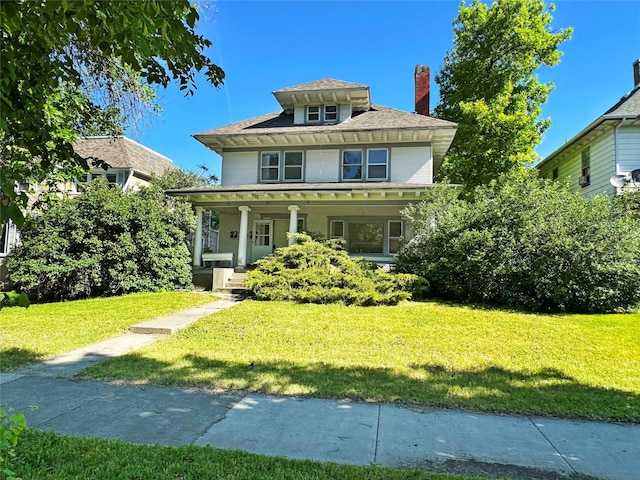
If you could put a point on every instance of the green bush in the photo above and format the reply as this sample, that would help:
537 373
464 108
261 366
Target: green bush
526 243
11 427
103 242
312 271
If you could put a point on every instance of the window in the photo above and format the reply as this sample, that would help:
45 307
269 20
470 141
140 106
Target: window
330 113
365 237
300 224
113 179
352 165
554 174
585 173
395 235
313 114
377 164
9 237
337 229
292 166
270 167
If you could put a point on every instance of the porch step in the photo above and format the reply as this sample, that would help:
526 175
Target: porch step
236 282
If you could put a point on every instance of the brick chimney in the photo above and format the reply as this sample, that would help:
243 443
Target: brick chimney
636 73
423 80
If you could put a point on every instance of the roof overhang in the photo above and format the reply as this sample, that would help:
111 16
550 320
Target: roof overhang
357 97
439 137
586 136
319 193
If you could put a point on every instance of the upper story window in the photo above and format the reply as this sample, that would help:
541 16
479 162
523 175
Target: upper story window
290 170
292 166
322 113
375 169
585 172
270 167
313 114
113 179
554 174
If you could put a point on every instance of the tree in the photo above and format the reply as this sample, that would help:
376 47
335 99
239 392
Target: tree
76 66
526 243
488 85
104 242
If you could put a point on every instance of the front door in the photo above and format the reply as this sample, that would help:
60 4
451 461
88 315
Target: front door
262 239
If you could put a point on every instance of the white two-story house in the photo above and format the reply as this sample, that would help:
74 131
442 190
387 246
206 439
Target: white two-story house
330 162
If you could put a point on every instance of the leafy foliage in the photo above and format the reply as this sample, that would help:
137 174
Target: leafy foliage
11 427
13 299
84 67
311 271
487 85
526 243
104 242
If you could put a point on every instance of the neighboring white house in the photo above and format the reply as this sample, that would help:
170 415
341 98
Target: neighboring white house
608 147
130 166
331 162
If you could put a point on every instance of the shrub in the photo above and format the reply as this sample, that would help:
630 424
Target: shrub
103 242
311 271
526 243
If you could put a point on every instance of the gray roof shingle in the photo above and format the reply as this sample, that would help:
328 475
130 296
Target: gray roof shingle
324 84
122 152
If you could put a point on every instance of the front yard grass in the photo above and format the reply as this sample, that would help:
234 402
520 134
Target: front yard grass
45 330
56 457
419 354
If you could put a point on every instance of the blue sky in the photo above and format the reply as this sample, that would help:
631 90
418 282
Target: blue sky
267 45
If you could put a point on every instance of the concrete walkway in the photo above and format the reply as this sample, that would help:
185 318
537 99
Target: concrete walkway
325 430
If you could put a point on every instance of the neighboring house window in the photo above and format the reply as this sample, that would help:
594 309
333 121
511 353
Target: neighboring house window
9 238
113 179
585 176
554 174
395 235
270 167
292 166
330 113
313 114
336 229
377 165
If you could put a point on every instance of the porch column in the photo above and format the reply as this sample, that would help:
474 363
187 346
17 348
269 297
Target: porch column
242 236
197 239
293 221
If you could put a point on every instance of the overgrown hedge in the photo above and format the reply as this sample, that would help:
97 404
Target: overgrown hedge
526 243
104 242
312 271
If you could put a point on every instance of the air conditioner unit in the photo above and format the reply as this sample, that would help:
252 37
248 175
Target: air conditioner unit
584 180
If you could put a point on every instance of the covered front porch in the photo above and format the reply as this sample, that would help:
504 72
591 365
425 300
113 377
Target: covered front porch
255 220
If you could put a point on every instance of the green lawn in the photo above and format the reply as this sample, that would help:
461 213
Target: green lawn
585 366
48 455
45 330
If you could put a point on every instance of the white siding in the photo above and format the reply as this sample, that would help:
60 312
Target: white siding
345 111
322 166
602 165
628 153
239 168
411 165
298 115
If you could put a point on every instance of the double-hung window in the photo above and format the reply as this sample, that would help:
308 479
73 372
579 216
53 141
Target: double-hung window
330 113
395 235
375 168
585 172
292 166
377 163
270 167
313 113
352 165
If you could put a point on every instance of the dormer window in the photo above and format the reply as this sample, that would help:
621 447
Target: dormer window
313 114
322 113
330 113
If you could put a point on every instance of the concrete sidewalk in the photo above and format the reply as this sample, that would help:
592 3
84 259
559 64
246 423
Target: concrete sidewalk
324 430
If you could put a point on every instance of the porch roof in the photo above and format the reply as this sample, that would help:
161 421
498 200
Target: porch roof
308 192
